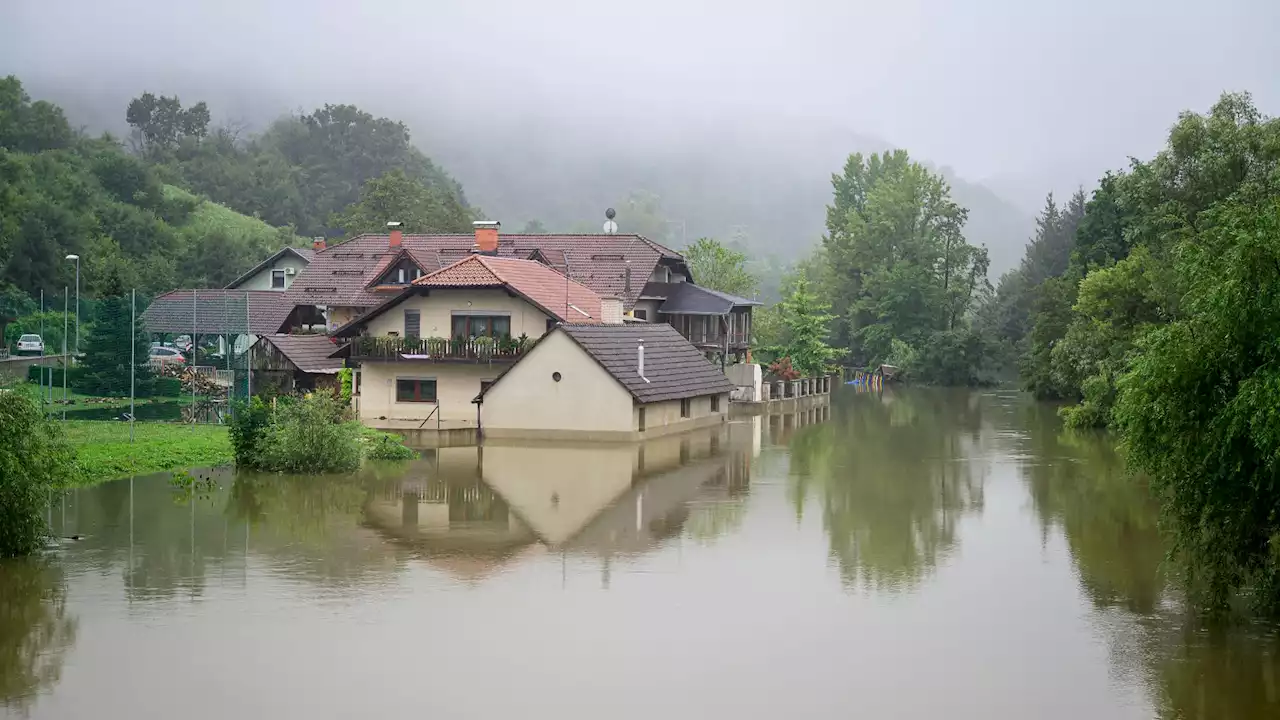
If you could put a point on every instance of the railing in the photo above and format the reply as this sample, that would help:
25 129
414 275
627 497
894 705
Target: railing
717 338
478 349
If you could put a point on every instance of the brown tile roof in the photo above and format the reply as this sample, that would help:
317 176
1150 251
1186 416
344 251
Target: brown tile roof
675 368
309 353
566 300
217 312
339 275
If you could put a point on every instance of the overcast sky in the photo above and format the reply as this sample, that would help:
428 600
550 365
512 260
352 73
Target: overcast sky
1006 90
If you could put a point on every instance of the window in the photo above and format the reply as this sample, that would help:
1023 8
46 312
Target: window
412 323
715 403
277 279
684 408
641 428
469 326
416 390
402 277
641 314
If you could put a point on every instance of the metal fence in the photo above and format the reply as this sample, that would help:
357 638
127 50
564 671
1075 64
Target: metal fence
183 356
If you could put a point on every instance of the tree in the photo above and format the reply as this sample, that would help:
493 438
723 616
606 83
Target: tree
161 122
806 319
34 460
899 265
30 127
534 227
396 196
1197 407
720 268
113 341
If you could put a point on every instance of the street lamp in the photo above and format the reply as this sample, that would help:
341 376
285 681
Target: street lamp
77 259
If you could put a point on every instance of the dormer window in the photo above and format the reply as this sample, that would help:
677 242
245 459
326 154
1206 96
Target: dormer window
401 273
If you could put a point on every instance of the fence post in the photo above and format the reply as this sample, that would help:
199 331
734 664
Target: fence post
133 356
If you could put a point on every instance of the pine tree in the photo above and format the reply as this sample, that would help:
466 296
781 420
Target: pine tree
111 342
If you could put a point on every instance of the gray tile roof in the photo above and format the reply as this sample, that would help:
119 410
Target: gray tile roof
690 299
217 312
674 367
308 353
340 274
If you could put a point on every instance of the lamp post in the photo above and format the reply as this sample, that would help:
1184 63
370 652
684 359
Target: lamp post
77 259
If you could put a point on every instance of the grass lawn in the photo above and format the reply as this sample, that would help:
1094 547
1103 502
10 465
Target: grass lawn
105 452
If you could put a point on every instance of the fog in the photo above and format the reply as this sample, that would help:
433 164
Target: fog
751 103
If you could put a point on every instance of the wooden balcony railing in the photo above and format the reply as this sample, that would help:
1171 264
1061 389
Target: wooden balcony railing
717 338
478 349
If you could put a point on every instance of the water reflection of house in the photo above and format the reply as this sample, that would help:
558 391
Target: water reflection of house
473 510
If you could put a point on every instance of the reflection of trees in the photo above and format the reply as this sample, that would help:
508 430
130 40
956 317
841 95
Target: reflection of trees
893 475
35 632
1078 481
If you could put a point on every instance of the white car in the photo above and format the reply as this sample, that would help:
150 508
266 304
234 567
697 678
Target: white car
30 344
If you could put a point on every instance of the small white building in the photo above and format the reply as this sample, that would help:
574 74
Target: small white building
605 382
276 272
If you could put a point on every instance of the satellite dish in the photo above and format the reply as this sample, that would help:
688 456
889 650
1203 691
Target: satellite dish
610 227
610 213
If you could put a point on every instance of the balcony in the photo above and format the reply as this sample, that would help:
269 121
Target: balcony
716 338
389 348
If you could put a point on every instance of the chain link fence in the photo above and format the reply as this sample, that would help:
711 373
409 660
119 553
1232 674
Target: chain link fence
182 356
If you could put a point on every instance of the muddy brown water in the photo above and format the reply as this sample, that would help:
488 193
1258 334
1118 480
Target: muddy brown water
918 554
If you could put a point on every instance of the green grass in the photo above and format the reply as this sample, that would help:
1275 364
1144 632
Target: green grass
105 453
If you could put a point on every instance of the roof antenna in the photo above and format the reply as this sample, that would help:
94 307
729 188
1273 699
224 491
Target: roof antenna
610 227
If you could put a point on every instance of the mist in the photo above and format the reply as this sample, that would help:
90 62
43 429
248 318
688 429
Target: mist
734 114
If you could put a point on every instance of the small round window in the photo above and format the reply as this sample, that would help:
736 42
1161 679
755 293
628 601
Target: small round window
555 376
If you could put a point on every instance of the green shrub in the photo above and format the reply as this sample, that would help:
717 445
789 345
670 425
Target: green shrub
166 387
248 428
310 434
34 459
384 446
346 380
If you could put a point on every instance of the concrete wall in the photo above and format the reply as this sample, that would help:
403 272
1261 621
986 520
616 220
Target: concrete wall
664 417
456 385
529 401
748 377
650 307
438 308
262 279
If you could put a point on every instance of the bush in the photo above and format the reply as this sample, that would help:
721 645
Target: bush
309 434
384 446
346 385
34 459
248 427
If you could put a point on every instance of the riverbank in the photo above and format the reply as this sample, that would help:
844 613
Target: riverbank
105 453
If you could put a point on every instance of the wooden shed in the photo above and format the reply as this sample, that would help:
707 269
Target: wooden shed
292 363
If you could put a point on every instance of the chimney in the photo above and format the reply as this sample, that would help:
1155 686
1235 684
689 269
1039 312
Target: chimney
640 362
396 235
611 311
487 236
317 243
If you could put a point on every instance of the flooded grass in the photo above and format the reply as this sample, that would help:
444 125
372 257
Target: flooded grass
105 451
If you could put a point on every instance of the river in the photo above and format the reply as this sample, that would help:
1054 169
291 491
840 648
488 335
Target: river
916 554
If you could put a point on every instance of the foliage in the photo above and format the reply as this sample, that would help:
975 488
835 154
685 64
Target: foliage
34 459
161 122
783 370
378 445
346 385
720 268
247 429
898 264
63 193
310 434
1198 407
105 452
806 319
396 196
105 366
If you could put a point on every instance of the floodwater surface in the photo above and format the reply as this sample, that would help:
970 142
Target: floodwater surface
916 554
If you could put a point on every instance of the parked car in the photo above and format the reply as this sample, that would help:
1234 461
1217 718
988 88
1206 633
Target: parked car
166 356
30 345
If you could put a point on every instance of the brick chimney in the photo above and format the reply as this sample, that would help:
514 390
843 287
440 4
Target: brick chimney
317 243
487 236
396 235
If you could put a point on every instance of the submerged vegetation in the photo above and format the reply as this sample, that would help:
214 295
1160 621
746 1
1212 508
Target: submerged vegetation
314 433
35 459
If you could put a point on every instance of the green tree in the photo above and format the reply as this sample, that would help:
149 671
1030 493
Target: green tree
161 122
534 227
807 320
34 460
720 268
396 196
30 127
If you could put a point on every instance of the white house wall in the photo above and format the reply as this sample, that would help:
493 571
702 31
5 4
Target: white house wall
437 309
261 280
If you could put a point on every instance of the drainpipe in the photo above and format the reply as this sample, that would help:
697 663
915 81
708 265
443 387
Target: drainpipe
640 361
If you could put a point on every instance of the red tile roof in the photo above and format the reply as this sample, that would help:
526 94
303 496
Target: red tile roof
567 300
340 275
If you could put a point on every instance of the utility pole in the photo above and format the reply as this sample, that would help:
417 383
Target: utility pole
77 259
